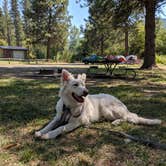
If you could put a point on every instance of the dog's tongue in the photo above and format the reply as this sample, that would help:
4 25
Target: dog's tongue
80 99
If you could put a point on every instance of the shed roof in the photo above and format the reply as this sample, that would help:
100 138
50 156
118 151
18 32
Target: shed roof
13 48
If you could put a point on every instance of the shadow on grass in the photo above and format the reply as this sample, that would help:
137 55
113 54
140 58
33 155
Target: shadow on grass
22 101
95 144
25 101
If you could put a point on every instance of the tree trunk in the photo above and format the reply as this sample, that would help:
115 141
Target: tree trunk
126 42
16 20
8 35
102 45
48 48
7 22
49 30
149 50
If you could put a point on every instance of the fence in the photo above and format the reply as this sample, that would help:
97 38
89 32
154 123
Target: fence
29 61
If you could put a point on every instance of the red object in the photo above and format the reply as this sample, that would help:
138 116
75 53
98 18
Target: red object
109 57
121 59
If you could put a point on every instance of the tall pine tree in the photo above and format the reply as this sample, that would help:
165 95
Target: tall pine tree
2 35
26 21
99 30
16 21
7 23
48 22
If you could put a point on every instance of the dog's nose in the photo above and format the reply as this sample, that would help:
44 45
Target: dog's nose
85 92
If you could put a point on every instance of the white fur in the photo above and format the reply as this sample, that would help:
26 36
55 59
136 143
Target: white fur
93 109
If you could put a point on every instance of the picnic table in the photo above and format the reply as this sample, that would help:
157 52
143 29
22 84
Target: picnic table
110 66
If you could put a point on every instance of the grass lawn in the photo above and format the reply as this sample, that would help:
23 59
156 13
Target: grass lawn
27 104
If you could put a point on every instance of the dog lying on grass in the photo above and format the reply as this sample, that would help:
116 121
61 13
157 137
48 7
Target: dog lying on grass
76 108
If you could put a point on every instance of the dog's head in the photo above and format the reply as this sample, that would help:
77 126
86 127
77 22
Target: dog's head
73 88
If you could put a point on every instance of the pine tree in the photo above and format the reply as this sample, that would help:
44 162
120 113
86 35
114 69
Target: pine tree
74 42
16 21
98 32
7 23
2 35
150 7
122 10
49 22
26 21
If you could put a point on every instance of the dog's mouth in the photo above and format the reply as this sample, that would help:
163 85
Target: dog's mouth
79 99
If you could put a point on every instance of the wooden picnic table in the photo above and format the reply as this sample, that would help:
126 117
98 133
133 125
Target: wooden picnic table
111 65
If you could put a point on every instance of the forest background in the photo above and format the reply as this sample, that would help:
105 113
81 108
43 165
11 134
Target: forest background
112 28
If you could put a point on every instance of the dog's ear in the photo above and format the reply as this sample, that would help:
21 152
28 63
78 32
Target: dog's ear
83 77
66 76
79 76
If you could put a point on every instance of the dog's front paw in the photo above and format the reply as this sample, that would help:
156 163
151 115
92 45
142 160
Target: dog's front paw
38 134
45 136
117 122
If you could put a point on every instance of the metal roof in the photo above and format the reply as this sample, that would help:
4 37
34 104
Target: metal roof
13 48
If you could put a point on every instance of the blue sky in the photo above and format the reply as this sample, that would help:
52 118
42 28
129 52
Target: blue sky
164 11
78 13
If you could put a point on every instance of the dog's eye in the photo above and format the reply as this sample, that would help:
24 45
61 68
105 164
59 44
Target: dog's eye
76 84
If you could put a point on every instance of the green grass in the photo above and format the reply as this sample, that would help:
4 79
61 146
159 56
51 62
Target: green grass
27 104
161 59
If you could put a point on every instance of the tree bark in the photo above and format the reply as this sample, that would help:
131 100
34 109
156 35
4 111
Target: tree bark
8 35
126 42
149 50
49 30
48 48
7 23
102 45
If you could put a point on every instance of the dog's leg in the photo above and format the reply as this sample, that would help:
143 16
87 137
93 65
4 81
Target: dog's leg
61 130
134 118
49 126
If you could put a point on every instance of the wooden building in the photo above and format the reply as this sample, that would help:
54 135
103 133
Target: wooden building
13 52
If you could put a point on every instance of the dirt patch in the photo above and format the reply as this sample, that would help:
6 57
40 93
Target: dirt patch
28 71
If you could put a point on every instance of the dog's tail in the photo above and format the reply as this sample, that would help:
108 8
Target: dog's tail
134 118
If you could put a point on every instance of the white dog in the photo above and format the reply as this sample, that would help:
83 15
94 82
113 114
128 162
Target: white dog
86 108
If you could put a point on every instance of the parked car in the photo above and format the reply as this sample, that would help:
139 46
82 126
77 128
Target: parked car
92 59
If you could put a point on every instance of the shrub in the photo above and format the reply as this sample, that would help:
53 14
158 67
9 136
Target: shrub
161 59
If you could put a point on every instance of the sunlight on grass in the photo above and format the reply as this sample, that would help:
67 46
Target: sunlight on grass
4 140
5 82
49 86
